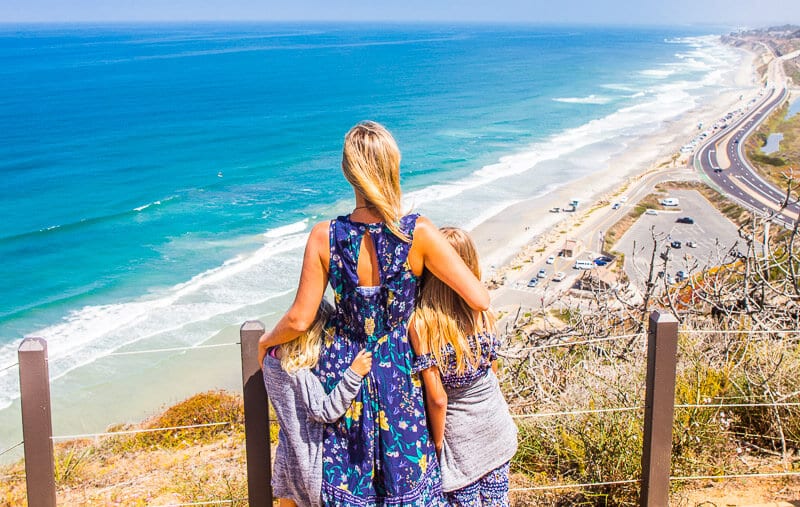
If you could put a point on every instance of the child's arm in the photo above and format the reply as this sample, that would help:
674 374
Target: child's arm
435 395
329 408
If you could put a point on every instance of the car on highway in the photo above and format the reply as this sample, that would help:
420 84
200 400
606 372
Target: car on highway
675 244
651 211
551 259
623 199
685 220
559 276
616 205
717 170
534 282
542 273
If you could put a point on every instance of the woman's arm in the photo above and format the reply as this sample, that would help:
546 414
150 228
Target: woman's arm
313 278
435 395
436 254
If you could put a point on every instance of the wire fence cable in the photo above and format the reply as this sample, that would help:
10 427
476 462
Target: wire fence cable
12 448
132 432
172 349
570 486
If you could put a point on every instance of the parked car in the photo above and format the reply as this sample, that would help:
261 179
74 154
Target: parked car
651 211
675 244
602 260
534 282
559 276
681 275
551 259
542 273
685 220
691 244
670 280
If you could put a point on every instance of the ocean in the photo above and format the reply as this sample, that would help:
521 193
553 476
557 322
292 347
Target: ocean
158 181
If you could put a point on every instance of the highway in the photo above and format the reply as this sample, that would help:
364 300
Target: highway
723 162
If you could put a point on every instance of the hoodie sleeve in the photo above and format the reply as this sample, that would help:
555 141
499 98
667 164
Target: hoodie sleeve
329 408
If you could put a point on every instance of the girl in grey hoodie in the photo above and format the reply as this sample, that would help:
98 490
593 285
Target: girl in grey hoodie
303 408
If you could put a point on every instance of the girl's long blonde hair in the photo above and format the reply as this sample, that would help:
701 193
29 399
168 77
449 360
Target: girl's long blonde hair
443 317
303 351
371 163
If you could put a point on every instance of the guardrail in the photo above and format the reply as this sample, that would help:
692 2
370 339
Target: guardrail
658 407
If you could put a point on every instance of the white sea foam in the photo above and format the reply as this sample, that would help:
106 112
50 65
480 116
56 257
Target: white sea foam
658 73
145 206
591 99
287 229
183 315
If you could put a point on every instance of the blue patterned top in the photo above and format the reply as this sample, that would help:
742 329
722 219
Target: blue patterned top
380 452
472 372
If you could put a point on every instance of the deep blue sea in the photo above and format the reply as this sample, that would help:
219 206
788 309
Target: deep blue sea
158 180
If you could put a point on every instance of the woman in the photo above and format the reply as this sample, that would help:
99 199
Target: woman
380 452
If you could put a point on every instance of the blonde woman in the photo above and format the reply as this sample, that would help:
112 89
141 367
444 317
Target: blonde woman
471 427
373 257
302 407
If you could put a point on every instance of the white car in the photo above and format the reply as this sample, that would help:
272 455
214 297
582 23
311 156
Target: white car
651 211
623 199
542 273
551 259
559 276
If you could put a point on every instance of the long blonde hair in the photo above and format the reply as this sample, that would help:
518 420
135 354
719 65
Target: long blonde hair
303 351
443 317
371 163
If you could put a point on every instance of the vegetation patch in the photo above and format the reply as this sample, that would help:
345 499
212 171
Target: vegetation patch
779 167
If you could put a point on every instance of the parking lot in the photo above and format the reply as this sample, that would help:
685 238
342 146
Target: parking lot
712 232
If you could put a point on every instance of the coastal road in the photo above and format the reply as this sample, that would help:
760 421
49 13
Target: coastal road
723 162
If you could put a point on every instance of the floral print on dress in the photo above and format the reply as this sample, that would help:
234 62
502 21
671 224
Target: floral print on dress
380 452
483 346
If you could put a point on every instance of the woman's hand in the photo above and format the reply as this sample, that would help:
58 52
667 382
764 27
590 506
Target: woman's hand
362 362
431 250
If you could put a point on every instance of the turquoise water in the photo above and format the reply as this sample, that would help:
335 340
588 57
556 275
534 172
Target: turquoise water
158 181
794 108
773 143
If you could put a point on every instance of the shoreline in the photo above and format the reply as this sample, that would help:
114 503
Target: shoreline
514 232
520 229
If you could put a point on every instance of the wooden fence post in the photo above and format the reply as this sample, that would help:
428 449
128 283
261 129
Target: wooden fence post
256 418
662 352
37 423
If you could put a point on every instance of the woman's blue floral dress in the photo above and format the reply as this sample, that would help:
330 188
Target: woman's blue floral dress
380 452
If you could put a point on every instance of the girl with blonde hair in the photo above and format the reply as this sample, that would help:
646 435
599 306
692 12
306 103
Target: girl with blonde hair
373 258
471 427
303 407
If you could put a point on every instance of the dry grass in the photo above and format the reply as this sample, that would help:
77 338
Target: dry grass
203 464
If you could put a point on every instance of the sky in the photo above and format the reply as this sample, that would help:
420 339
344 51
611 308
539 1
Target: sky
734 13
